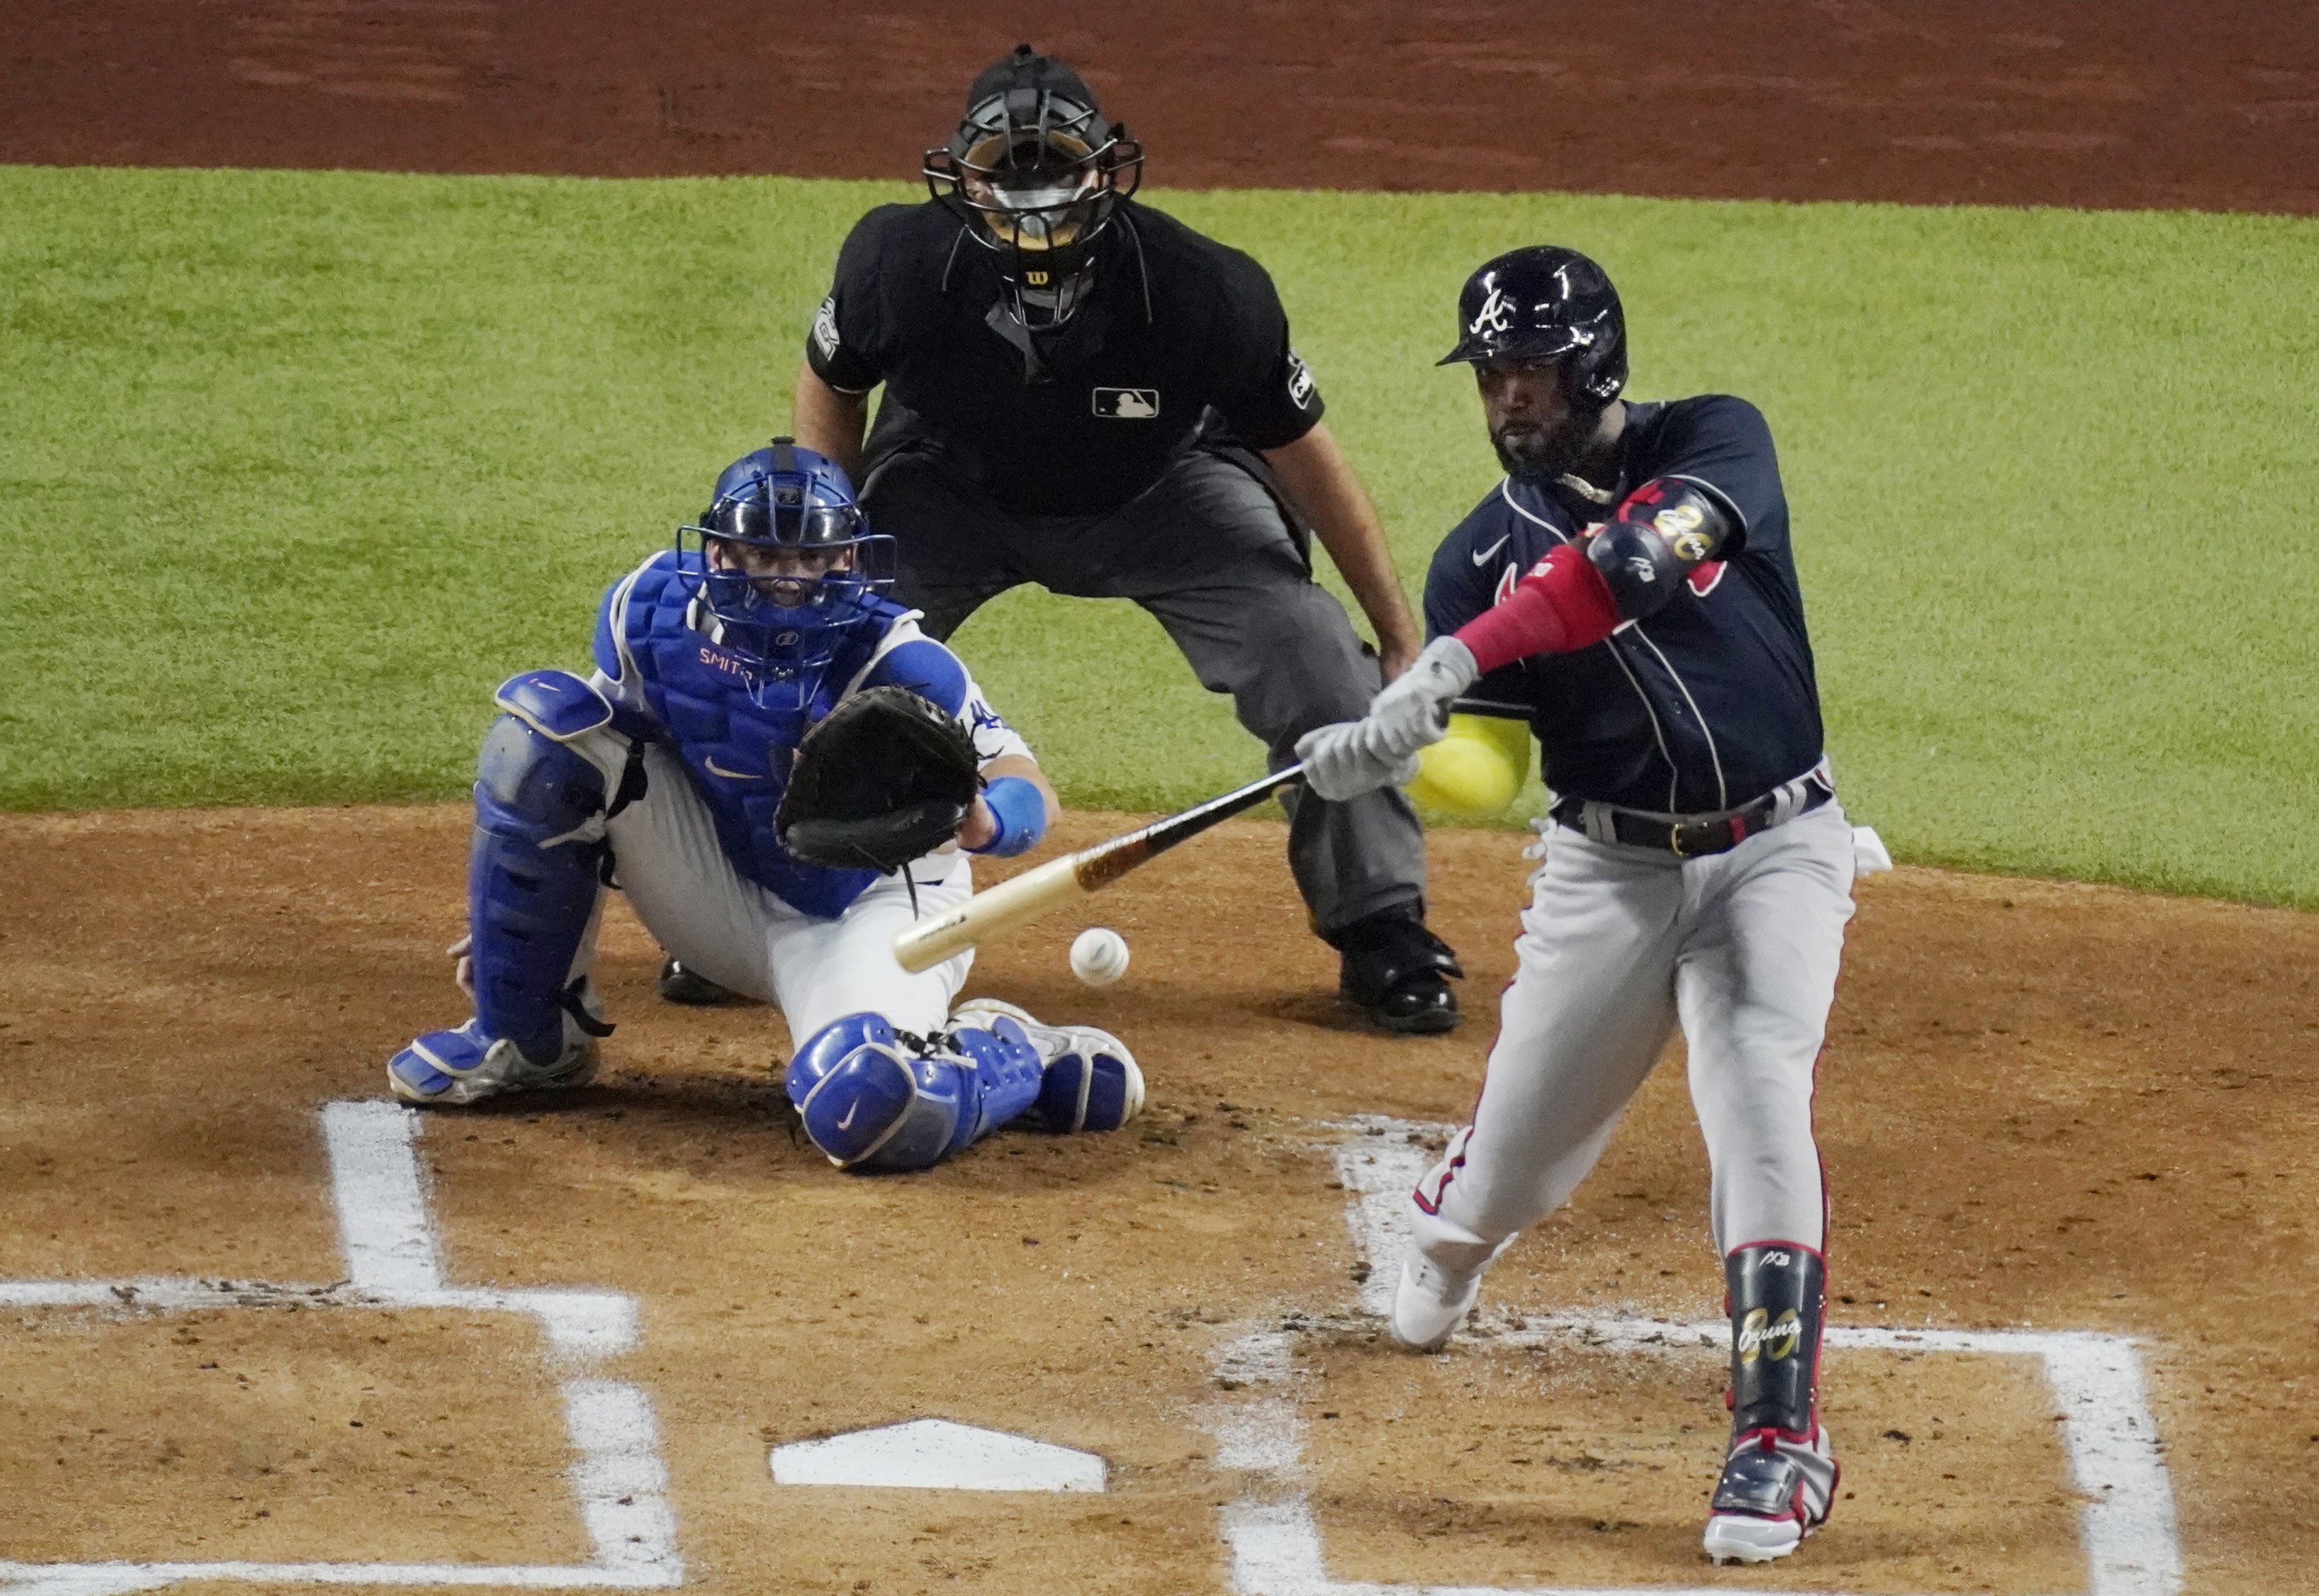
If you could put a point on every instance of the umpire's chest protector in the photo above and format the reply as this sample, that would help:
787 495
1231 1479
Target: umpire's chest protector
736 737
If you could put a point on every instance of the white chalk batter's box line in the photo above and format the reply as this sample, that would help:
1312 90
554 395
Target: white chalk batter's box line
392 1261
2128 1525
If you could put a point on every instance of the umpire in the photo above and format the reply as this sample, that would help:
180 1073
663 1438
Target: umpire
1083 393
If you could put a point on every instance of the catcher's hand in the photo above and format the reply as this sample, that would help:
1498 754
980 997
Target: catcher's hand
883 778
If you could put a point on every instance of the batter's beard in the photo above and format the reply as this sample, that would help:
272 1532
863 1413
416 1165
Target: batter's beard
1544 453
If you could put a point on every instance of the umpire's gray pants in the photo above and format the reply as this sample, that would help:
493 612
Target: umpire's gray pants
1205 552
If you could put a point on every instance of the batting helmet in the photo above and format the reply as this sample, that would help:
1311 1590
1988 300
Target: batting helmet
1545 303
783 560
1036 171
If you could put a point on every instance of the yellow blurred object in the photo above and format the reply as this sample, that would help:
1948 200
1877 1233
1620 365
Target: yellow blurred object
1476 769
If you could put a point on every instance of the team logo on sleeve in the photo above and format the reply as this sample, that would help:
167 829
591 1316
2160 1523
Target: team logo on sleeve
825 328
1300 381
1127 404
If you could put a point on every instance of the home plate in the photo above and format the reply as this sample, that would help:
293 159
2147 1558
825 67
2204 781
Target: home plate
935 1454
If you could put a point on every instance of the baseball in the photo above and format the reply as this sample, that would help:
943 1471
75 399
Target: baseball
1098 956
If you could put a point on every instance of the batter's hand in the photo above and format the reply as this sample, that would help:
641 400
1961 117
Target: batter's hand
1380 749
1344 761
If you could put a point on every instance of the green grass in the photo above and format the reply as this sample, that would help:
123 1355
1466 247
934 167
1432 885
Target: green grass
297 466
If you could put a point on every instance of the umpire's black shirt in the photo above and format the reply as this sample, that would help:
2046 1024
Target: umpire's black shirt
1080 419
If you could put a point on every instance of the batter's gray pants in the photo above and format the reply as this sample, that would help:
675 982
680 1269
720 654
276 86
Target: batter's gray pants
1618 945
1205 552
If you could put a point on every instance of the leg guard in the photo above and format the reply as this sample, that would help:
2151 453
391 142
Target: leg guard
1090 1081
873 1098
533 887
1781 1475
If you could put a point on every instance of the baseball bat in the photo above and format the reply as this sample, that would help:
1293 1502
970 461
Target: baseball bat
929 940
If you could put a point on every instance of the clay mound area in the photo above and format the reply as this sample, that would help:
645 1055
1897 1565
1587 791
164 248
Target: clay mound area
2045 1104
2137 103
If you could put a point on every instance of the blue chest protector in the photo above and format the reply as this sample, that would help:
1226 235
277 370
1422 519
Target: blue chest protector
736 728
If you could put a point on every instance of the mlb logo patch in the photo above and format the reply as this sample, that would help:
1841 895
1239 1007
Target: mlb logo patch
1127 404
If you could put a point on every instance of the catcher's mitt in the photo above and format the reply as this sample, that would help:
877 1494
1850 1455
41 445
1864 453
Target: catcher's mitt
882 778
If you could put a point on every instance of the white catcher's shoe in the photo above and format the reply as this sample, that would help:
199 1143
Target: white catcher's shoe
1092 1081
454 1068
1774 1490
1430 1302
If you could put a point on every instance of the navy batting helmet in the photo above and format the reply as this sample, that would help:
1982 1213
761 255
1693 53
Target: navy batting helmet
1545 303
1035 170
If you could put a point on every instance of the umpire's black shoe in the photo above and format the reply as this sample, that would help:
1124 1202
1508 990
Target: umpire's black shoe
694 990
1397 971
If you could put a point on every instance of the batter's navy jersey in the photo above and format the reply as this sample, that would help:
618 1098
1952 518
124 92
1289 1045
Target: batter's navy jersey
1177 325
1705 706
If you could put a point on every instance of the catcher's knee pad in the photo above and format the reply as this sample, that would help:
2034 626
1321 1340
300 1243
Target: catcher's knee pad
875 1098
533 879
869 1102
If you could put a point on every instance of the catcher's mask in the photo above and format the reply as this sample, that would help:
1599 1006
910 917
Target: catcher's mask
1036 171
1547 303
782 561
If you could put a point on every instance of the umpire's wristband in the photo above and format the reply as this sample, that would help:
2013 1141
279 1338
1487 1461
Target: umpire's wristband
1020 812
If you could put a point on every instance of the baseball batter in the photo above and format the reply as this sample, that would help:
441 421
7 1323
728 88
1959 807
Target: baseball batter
664 772
1629 589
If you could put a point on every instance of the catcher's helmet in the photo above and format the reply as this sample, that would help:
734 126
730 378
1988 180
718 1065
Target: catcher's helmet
1036 171
1546 302
782 559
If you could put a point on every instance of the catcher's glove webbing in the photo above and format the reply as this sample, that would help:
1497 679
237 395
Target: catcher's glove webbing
882 778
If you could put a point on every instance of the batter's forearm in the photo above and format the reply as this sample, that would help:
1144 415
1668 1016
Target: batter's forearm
1316 475
830 421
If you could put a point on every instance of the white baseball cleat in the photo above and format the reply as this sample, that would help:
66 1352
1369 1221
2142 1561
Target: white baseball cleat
1775 1490
1430 1302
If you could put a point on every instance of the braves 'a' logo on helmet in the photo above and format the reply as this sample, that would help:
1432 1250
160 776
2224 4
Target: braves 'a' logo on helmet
1496 316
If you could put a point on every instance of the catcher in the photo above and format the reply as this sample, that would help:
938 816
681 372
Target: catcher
781 773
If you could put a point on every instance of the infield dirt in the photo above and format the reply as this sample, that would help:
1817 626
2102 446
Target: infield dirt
2041 1104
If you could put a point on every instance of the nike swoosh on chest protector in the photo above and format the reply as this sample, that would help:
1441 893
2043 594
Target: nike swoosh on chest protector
717 769
1483 557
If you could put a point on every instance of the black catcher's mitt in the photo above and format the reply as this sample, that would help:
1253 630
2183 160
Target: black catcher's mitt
882 778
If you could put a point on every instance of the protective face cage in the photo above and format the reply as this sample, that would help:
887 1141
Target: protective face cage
1547 303
791 621
1037 175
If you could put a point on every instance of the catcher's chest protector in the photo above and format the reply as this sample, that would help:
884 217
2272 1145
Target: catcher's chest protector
736 749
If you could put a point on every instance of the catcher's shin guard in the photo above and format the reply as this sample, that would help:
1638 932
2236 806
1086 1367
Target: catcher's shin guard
1090 1081
873 1098
1779 1477
533 887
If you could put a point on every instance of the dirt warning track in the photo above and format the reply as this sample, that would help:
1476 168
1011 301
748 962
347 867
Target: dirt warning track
2139 103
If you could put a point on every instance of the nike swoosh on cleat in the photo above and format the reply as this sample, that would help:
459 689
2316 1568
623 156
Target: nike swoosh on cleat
717 769
847 1122
1483 557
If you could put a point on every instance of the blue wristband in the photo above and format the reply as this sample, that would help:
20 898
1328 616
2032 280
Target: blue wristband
1021 812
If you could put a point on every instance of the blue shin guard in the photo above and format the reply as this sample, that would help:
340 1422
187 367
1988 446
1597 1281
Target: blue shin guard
533 885
875 1098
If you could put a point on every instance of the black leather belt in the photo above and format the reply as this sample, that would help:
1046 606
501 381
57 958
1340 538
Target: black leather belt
1692 836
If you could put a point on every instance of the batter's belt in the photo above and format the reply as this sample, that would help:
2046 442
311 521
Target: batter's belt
1688 836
